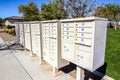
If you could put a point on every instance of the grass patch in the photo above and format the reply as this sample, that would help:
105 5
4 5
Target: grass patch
113 53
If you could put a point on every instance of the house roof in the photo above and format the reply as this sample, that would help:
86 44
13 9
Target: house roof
14 18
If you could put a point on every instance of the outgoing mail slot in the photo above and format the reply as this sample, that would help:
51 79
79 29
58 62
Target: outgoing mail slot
87 30
83 41
83 35
83 48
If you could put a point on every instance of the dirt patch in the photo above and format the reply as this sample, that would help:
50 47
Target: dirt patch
6 36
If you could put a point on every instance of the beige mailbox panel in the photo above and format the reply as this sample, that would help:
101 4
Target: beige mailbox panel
17 31
35 35
45 40
83 41
21 33
27 36
51 44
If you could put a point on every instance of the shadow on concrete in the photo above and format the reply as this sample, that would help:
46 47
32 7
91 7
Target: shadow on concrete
96 75
68 68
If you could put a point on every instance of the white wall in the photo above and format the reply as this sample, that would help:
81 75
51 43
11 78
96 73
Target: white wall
9 23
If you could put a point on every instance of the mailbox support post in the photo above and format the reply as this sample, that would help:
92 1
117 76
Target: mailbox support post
80 73
55 70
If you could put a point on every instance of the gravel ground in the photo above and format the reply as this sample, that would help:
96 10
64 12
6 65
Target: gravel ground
6 36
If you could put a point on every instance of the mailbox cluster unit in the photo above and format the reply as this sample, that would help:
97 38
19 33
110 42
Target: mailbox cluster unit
35 37
20 33
83 41
58 42
27 35
51 44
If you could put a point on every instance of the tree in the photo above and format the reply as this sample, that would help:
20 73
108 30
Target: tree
53 10
80 8
30 11
110 11
100 12
1 20
62 13
48 11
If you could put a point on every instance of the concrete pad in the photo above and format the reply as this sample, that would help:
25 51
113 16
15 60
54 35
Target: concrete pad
20 65
10 69
40 72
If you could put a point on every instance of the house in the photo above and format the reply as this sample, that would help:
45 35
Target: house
11 20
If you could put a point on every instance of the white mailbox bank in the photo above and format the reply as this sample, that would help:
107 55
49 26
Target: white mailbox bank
83 41
21 33
35 29
26 26
51 42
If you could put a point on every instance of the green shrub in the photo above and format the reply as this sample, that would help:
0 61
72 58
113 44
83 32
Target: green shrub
6 30
10 30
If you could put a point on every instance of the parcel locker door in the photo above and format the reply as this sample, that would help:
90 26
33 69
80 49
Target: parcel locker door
68 52
83 59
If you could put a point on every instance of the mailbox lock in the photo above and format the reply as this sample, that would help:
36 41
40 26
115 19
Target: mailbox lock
77 46
67 28
82 23
67 37
82 39
82 29
64 46
78 55
81 57
82 34
67 49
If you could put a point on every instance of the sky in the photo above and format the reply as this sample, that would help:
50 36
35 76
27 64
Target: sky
10 7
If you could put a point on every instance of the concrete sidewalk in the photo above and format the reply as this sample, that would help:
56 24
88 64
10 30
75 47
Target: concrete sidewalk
10 68
19 65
